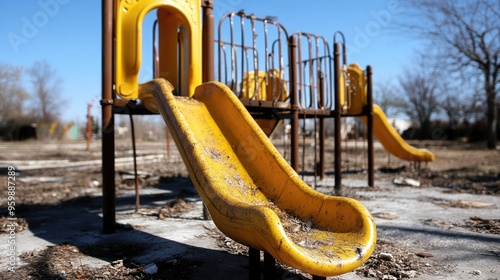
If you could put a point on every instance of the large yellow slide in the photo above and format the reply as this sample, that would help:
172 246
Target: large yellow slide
251 192
383 130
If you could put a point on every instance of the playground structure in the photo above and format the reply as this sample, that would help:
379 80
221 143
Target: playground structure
250 191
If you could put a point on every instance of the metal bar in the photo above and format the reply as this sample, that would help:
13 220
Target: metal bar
108 135
242 30
134 155
247 70
208 41
234 73
225 80
304 148
322 128
298 64
337 112
280 55
181 52
270 271
266 47
255 60
253 263
311 72
294 131
327 70
220 46
156 57
89 125
369 101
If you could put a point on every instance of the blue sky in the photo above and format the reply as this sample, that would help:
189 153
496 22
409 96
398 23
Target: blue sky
67 34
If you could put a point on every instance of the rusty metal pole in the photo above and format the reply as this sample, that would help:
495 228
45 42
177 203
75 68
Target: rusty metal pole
270 270
322 129
134 155
254 264
89 125
208 41
156 74
337 116
108 134
294 132
369 112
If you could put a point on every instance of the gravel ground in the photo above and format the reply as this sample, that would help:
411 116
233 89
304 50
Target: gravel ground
64 174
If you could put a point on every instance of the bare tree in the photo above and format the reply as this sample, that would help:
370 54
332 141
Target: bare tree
462 109
421 89
12 93
387 96
467 34
46 92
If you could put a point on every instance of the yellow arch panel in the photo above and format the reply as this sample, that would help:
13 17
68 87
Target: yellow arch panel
128 49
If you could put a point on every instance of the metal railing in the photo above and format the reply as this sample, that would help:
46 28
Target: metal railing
314 70
251 56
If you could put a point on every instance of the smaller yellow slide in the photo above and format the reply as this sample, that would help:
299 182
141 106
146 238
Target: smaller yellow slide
392 141
383 130
251 192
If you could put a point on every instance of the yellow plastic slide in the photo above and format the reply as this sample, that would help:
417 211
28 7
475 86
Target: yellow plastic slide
252 194
386 134
392 141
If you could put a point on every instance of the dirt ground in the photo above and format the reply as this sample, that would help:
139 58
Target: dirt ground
459 168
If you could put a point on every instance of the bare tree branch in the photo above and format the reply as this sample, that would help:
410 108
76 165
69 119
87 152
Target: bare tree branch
46 92
422 89
467 35
12 93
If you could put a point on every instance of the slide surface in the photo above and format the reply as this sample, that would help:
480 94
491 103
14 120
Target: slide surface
393 142
252 194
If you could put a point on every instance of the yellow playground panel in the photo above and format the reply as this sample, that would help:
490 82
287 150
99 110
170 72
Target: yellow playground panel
180 44
265 86
251 192
355 92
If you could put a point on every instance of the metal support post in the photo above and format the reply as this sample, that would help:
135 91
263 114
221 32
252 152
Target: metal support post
294 133
337 117
108 131
369 112
208 41
322 128
254 263
270 271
